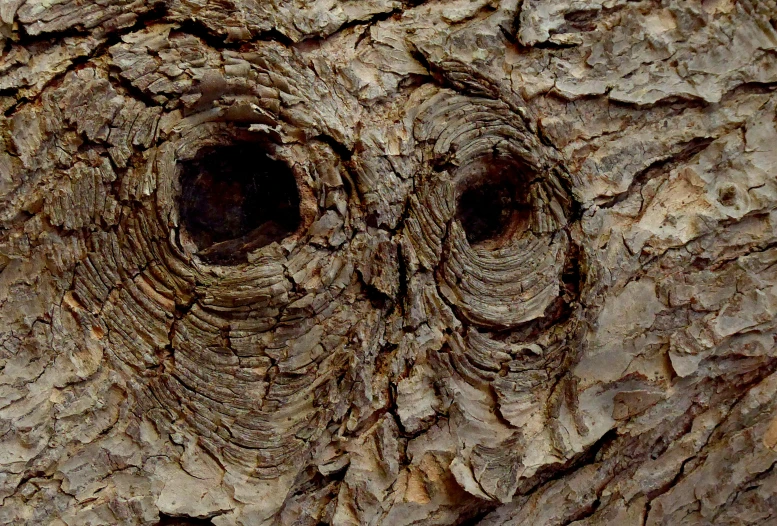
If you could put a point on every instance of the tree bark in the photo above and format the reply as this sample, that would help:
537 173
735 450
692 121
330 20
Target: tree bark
386 262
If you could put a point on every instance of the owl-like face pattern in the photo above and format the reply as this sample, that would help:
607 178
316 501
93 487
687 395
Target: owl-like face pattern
372 264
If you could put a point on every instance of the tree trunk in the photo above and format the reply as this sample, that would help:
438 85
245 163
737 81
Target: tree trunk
375 262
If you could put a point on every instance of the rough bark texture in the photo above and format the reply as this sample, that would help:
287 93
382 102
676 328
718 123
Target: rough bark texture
386 262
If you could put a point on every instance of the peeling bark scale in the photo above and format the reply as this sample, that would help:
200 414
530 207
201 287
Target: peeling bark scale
388 262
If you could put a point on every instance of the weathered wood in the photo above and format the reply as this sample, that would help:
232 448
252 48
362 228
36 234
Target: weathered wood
438 262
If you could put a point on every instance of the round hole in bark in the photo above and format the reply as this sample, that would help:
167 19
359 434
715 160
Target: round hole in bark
235 199
493 208
727 195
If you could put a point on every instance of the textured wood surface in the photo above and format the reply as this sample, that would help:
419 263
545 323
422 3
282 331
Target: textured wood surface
386 262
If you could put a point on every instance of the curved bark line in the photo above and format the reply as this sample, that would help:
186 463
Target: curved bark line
388 263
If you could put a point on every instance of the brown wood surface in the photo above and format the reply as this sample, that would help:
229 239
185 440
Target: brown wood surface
388 262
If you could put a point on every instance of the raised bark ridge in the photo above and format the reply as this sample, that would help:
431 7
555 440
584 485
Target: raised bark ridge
372 262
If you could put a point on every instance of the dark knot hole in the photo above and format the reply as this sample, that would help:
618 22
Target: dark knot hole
493 209
235 199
